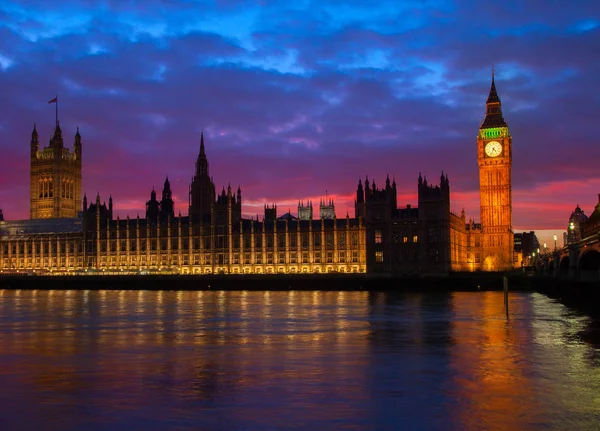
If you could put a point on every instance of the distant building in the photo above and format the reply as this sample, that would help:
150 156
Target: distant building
327 209
577 221
526 243
305 212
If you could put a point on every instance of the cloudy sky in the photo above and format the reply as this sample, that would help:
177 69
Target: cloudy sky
299 99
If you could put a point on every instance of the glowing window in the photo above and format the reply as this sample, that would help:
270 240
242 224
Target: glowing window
379 256
378 237
415 238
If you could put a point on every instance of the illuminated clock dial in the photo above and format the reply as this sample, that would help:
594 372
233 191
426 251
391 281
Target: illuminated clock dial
493 149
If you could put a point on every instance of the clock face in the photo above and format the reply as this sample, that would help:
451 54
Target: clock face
493 149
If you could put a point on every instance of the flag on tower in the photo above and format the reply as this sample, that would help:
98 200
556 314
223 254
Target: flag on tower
54 100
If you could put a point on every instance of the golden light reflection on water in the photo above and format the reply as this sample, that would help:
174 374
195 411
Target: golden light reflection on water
266 360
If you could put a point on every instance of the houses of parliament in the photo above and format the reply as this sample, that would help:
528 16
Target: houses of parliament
67 234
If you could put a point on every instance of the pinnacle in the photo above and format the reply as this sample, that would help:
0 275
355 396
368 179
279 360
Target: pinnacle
493 96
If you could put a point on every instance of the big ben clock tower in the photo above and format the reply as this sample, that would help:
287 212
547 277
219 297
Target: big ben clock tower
494 156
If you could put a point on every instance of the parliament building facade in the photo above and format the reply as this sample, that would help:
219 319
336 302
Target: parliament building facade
66 234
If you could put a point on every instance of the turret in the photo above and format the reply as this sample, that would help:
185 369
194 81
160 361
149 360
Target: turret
360 194
77 144
57 140
35 144
85 205
270 213
152 208
110 207
167 206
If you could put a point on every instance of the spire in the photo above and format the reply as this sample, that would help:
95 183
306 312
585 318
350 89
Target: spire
202 162
77 135
493 108
34 133
493 96
202 153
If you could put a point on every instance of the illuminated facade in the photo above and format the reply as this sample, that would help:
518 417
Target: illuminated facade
213 239
494 156
55 177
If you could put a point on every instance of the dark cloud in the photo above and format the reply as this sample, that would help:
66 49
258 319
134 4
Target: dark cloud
303 97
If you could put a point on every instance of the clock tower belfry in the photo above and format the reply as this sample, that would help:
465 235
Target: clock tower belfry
494 156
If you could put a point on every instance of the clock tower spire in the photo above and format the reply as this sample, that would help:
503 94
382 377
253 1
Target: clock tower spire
494 156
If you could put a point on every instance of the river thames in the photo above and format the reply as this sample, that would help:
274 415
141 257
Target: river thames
144 360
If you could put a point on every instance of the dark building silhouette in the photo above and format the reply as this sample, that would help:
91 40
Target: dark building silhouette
526 243
407 240
167 206
202 189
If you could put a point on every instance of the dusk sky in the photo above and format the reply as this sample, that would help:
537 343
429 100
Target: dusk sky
296 98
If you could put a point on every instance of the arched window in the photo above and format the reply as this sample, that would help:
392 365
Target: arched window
50 188
41 187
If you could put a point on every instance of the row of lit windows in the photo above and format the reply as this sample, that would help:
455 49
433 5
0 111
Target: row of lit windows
30 248
291 239
40 248
219 242
207 259
379 238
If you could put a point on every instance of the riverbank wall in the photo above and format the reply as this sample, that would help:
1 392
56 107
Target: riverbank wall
372 282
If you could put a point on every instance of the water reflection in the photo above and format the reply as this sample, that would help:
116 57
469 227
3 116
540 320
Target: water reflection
290 360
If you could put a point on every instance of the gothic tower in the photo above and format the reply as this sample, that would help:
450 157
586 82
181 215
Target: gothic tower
55 177
494 156
202 189
167 206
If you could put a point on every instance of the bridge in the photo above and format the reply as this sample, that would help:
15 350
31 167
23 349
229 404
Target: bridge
578 261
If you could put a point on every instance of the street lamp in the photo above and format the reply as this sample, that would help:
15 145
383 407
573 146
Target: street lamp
555 239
